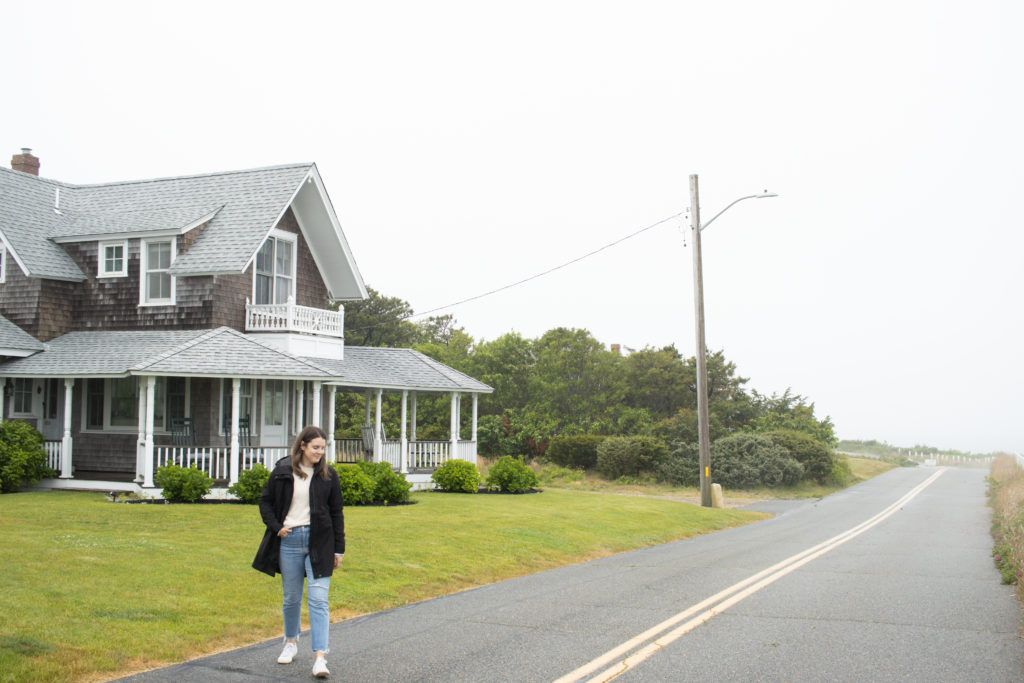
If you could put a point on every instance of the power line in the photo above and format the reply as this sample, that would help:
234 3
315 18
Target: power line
530 278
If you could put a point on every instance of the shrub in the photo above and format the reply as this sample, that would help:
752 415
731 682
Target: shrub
182 484
682 467
457 476
577 452
750 461
357 486
22 458
552 474
619 456
841 473
814 455
250 484
511 476
389 487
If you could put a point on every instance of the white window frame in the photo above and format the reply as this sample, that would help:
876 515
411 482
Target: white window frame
144 271
292 239
101 266
31 398
3 263
159 426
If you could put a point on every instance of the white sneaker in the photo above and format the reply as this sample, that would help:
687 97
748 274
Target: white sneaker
320 668
287 653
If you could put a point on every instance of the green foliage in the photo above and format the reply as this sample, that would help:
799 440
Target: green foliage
22 458
511 476
682 467
389 487
619 456
556 474
250 484
815 456
791 412
182 484
357 487
578 452
457 476
516 432
841 474
750 460
1002 555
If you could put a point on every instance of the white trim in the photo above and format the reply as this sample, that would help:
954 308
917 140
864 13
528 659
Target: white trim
108 428
31 395
8 248
284 236
144 271
101 260
314 173
3 263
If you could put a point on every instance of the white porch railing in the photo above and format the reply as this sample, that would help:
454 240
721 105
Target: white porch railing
52 449
349 450
215 460
428 454
290 317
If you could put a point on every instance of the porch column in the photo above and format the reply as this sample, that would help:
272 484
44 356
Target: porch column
476 398
150 393
404 468
298 406
140 448
332 454
318 410
236 402
378 439
3 385
413 437
65 445
367 420
454 424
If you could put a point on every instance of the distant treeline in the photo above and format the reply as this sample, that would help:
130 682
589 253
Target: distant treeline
566 383
885 450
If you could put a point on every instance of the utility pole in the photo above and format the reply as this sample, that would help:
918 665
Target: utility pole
703 428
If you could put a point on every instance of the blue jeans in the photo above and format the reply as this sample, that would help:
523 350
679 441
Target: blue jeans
295 565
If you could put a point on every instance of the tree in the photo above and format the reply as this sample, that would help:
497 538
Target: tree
656 380
790 411
379 321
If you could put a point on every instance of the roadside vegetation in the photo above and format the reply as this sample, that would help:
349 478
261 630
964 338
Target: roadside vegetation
93 589
1006 496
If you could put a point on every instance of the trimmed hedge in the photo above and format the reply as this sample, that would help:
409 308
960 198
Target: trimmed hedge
356 485
739 461
457 476
250 484
389 487
575 452
815 456
510 475
182 484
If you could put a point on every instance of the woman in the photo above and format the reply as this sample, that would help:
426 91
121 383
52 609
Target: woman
302 508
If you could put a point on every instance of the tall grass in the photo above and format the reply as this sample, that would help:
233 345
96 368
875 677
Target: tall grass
1006 495
92 589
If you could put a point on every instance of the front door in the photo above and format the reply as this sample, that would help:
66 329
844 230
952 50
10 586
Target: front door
273 430
51 426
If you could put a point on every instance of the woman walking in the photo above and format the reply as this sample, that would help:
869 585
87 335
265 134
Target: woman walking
302 508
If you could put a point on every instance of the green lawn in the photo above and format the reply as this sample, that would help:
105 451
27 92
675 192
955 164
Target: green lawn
92 589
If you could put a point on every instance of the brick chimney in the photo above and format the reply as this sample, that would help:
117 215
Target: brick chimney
25 162
617 349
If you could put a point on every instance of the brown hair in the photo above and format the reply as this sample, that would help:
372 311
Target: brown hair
307 434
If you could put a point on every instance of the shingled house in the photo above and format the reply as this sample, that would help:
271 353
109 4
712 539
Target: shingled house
187 320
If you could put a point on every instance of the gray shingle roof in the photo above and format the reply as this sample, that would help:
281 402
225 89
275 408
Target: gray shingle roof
13 337
365 366
221 352
249 202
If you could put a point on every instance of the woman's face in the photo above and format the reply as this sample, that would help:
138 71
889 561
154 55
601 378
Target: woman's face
313 451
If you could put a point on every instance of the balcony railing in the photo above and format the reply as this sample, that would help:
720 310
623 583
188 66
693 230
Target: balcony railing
289 317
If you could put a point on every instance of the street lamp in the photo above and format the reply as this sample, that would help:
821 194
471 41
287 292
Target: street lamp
703 427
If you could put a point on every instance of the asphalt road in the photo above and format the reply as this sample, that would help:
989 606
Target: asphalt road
891 579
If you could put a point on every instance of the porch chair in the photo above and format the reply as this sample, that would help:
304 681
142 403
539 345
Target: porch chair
244 438
183 431
368 438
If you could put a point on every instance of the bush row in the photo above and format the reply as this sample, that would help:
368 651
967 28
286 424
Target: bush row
22 458
508 475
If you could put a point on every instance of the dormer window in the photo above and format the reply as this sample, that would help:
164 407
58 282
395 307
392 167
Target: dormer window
274 272
157 284
113 259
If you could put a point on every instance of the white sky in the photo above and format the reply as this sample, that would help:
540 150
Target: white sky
467 145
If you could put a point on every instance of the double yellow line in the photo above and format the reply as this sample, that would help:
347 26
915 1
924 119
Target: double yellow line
657 637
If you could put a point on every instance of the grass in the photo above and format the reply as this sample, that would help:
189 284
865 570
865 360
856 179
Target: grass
93 589
1006 496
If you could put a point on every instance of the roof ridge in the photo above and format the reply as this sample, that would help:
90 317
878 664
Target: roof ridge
175 350
308 164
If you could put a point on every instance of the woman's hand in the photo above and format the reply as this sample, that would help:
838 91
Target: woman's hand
283 533
337 561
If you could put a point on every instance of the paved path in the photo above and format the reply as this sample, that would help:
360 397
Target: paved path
912 597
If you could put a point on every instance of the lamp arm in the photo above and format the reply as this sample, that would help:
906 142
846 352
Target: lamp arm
749 196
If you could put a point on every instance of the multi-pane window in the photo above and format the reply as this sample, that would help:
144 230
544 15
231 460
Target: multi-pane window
124 402
51 398
113 259
157 283
273 402
114 403
245 403
274 271
94 393
22 395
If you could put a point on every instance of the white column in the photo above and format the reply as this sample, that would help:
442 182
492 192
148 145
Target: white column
332 453
368 399
140 449
413 437
3 385
236 403
298 406
458 415
150 393
455 425
404 468
476 401
65 445
378 441
318 409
